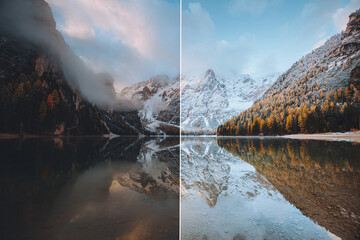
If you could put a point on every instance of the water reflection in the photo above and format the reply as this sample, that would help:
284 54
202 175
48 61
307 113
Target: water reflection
269 189
89 188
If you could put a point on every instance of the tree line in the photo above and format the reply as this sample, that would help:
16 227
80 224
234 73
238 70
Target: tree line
337 110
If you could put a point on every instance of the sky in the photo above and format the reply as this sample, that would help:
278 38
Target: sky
134 40
257 37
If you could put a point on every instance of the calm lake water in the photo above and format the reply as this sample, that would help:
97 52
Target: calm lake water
270 188
89 188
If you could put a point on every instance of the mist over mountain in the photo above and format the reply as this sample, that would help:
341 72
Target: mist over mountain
33 21
209 100
46 89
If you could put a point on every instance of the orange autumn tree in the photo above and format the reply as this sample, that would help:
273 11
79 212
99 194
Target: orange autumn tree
50 101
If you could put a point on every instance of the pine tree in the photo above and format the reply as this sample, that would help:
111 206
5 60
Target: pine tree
289 124
347 93
301 123
42 110
50 101
356 96
340 93
56 97
255 128
19 92
238 131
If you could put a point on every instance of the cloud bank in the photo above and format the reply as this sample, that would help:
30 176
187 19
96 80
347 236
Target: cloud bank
32 22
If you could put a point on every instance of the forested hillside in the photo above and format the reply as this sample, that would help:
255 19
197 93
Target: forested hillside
319 93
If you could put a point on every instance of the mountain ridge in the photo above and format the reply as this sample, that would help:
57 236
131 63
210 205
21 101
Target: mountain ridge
318 93
208 100
158 102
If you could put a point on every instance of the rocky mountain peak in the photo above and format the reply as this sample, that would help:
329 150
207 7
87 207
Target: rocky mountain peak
209 74
353 25
208 100
158 81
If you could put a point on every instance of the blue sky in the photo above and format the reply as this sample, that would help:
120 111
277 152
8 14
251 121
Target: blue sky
258 36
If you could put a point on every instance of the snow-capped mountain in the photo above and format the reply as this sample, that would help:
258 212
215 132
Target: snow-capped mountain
158 101
207 101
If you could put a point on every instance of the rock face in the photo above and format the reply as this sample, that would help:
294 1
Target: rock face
353 26
209 100
159 102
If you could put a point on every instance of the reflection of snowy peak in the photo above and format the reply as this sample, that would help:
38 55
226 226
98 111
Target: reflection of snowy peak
159 102
209 171
156 172
207 101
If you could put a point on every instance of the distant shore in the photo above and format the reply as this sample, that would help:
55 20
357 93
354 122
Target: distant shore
330 136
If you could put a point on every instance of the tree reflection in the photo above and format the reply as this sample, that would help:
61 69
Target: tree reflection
322 179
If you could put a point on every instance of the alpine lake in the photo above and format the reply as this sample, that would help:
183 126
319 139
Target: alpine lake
269 188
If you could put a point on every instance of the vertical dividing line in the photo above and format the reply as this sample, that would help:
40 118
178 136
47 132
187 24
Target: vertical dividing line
180 66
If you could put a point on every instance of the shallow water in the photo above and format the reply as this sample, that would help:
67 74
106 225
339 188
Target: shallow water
89 188
270 188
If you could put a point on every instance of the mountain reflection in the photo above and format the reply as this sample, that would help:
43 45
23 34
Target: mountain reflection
89 188
322 179
207 169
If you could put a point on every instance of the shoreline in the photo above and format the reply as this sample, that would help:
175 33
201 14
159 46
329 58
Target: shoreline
329 136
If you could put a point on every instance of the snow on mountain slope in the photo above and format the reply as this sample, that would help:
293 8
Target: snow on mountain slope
207 101
158 101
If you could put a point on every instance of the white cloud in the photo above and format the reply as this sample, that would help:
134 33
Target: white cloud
131 40
79 31
317 16
255 7
319 43
341 16
202 49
